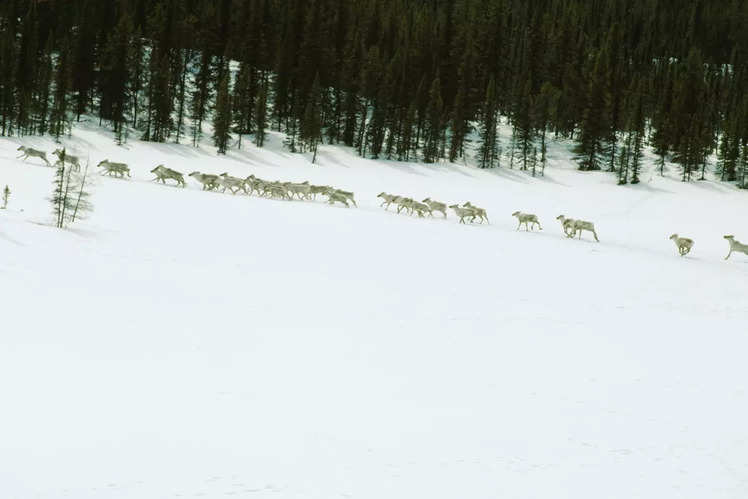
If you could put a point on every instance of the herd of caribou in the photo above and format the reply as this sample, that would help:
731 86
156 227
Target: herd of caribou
110 168
306 191
253 185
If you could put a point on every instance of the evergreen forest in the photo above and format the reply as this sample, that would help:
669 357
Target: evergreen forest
406 80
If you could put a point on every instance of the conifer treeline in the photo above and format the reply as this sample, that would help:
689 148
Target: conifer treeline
396 79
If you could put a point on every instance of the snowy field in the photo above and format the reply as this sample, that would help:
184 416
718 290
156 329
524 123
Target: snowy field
182 343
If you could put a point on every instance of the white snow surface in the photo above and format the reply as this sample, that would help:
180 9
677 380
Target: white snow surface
181 343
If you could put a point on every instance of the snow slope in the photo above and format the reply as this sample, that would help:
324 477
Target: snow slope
182 343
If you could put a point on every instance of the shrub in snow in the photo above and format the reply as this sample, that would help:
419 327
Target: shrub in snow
6 196
69 198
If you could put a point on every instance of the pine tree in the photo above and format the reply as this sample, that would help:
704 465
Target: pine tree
660 137
623 162
161 78
377 127
687 113
405 143
115 76
459 124
311 126
83 58
488 152
222 116
589 148
62 201
183 57
44 80
350 106
371 76
522 122
743 162
243 99
137 58
461 112
7 77
545 109
58 118
728 154
292 131
260 115
433 132
160 101
201 95
58 195
186 55
27 60
637 129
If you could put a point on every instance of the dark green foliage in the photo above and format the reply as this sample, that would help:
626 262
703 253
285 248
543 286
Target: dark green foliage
58 119
27 54
243 100
594 126
222 114
260 114
397 78
433 123
743 165
160 83
115 77
43 81
310 133
201 95
489 147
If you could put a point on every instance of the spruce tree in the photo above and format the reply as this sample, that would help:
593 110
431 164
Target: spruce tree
186 56
62 200
58 118
376 131
260 114
7 76
222 116
137 58
637 146
201 95
243 99
160 101
661 126
26 64
594 126
488 151
545 109
743 162
689 94
433 132
43 83
115 76
405 143
459 124
83 58
311 126
623 162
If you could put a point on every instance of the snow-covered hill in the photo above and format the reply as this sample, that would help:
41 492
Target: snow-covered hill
182 343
